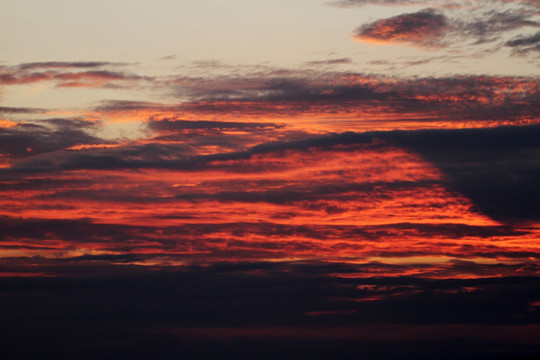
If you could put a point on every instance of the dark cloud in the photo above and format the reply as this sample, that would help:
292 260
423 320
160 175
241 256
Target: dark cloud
495 167
60 73
330 61
493 24
458 98
180 125
92 78
11 78
222 136
405 63
428 99
124 105
202 237
162 156
525 44
29 139
67 64
168 57
20 110
380 317
428 28
423 28
293 290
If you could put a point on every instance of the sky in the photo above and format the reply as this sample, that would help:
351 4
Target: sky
294 178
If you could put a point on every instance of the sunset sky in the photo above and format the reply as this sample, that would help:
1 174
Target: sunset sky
276 178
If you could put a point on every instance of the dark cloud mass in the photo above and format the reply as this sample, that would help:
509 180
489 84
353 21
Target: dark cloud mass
497 168
424 28
29 139
285 308
525 44
179 125
459 98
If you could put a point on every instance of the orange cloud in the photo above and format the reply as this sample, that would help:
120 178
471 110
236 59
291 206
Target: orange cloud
6 124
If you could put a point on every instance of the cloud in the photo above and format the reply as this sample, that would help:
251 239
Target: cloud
67 64
493 24
319 98
20 110
423 28
11 78
259 309
330 61
220 136
59 73
505 180
500 187
29 139
429 28
458 27
381 263
181 125
92 78
61 239
346 94
525 44
125 105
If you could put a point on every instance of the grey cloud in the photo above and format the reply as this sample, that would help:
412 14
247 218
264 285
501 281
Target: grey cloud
67 64
493 24
124 105
20 110
525 44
